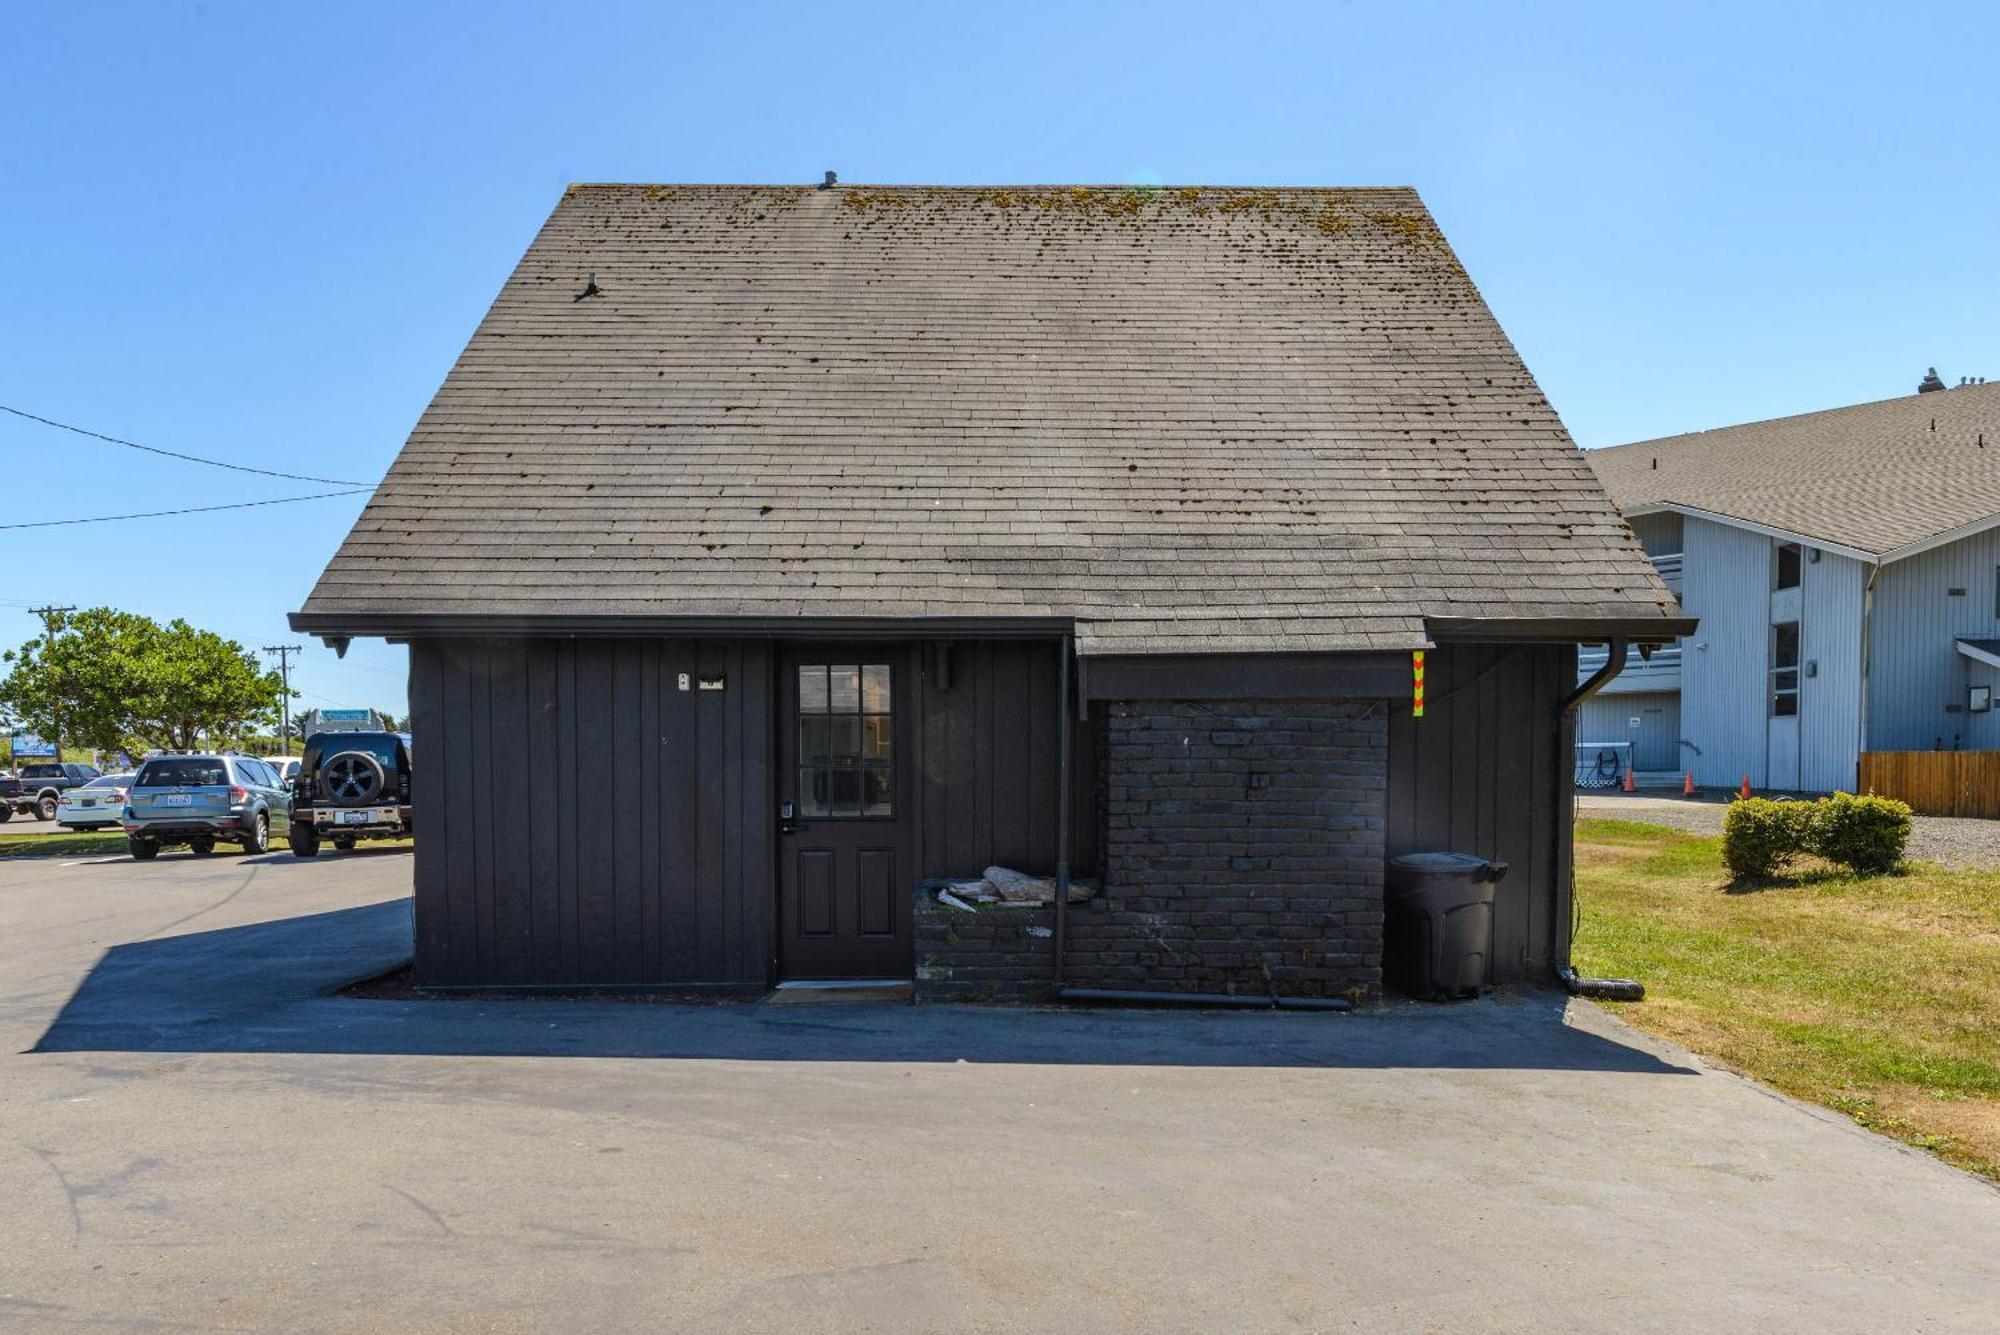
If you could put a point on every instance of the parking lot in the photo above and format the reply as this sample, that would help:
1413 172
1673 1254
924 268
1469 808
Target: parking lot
198 1135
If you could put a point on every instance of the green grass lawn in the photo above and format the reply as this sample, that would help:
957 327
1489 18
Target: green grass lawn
1878 996
65 844
96 843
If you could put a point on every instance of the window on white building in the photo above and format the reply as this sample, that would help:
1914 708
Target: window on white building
1785 669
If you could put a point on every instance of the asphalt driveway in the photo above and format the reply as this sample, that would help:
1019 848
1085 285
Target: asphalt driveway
197 1135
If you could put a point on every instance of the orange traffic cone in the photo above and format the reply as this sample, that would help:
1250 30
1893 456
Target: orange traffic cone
1745 790
1630 786
1687 788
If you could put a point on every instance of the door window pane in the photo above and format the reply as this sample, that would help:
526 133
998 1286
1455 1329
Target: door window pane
845 740
875 688
812 688
845 688
1785 669
875 792
1785 645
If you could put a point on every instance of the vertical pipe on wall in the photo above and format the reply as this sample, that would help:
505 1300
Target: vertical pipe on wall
1562 810
1060 934
1867 661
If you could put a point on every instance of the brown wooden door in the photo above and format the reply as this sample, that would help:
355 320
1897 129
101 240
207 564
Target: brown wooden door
844 792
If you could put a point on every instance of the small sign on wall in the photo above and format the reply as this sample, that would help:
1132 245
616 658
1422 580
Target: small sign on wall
1632 722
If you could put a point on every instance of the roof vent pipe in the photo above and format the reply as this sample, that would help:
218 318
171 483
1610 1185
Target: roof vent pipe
1929 382
833 179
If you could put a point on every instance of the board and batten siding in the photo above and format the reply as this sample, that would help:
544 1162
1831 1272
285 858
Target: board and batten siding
1659 534
586 821
1725 665
988 761
1915 670
1480 773
1656 742
1830 683
1726 584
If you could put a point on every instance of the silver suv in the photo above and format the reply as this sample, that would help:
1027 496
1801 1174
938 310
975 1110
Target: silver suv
198 799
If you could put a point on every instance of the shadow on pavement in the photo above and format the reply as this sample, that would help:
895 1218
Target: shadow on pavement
268 988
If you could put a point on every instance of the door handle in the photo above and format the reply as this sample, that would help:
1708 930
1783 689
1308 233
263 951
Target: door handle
788 818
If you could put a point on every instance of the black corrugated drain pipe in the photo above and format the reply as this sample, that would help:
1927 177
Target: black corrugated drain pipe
1115 996
1608 989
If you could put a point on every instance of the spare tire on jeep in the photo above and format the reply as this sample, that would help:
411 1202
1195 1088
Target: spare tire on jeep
352 778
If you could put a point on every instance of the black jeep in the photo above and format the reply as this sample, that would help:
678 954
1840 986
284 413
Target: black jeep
351 785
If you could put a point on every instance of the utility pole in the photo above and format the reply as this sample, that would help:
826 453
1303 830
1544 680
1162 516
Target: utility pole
284 653
48 616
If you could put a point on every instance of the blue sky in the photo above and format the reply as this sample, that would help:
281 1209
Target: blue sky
263 232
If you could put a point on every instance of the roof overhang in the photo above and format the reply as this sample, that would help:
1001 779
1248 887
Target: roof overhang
1944 539
1557 630
337 628
1768 530
408 625
1981 651
1921 545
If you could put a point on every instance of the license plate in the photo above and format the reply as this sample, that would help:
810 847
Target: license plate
86 801
355 817
178 800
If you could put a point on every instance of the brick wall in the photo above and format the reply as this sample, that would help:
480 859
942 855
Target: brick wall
996 954
1243 853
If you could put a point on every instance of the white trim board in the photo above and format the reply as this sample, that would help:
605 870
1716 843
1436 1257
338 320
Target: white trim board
1978 655
1916 548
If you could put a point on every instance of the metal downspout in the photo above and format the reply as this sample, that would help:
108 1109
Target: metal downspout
1615 989
1614 663
1867 662
1061 933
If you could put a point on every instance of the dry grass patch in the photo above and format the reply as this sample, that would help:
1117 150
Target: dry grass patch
1878 996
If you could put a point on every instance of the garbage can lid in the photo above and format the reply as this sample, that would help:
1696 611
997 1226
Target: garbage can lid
1462 863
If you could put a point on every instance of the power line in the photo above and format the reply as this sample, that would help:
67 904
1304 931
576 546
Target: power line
189 510
172 454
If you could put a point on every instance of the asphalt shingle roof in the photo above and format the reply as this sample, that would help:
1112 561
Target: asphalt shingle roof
1192 419
1876 477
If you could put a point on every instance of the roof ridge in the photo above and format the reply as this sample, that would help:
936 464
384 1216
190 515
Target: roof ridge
1656 441
980 185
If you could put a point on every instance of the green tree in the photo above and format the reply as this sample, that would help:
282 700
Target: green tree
106 679
75 683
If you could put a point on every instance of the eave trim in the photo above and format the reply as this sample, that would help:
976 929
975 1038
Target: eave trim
1557 630
1978 655
405 625
1768 530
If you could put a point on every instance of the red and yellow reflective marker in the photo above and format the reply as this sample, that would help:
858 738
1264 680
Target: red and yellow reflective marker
1416 683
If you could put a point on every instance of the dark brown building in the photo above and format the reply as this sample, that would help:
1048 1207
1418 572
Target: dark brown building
771 551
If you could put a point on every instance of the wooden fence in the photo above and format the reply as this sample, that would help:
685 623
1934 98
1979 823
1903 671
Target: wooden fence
1936 783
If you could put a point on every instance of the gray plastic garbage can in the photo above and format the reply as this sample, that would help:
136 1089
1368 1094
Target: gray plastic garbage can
1439 928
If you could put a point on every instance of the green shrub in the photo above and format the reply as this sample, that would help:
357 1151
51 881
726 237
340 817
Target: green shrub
1761 837
1866 834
